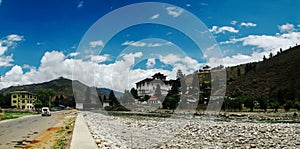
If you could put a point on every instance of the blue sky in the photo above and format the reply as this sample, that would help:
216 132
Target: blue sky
42 40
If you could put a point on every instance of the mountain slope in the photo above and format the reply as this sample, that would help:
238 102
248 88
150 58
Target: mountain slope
277 77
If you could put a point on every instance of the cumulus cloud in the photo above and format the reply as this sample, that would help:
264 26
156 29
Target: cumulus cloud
248 24
155 16
185 63
286 28
150 63
237 59
223 29
94 44
264 43
174 11
268 42
117 75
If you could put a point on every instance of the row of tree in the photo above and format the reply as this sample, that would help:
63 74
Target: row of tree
259 102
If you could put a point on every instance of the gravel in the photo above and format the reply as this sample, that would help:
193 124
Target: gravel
153 132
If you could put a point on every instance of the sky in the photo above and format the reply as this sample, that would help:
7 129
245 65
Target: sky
115 44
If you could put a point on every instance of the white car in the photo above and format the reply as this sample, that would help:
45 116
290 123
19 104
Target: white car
46 111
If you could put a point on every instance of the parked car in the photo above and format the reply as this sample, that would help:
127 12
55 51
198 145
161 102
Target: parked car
46 111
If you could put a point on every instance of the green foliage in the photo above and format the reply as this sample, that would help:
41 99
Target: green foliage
114 101
38 104
297 104
5 101
44 95
127 97
288 105
173 97
274 105
134 93
263 102
249 102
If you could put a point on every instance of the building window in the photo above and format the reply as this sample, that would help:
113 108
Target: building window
23 101
14 101
14 96
23 96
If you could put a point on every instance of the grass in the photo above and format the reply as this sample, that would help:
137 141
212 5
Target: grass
4 115
64 135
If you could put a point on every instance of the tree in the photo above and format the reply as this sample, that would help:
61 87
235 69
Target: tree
113 99
239 72
271 55
45 96
280 50
38 105
172 99
263 102
249 102
264 58
134 93
274 105
5 101
288 105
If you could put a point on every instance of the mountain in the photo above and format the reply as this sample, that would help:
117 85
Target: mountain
61 86
277 77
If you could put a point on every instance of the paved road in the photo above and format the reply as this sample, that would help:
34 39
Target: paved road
15 133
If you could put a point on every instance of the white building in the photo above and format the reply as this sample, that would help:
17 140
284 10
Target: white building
149 85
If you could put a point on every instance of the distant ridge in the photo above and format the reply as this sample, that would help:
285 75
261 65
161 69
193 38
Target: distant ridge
62 86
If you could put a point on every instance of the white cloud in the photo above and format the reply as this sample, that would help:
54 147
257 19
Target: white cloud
15 74
94 44
286 28
150 63
134 43
144 44
117 75
99 58
223 29
80 4
233 22
174 11
268 42
7 42
248 24
155 16
188 5
0 2
5 61
73 54
185 63
237 59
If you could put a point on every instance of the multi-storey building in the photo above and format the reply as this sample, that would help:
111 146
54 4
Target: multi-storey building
23 100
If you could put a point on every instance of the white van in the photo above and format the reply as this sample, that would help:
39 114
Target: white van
46 111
